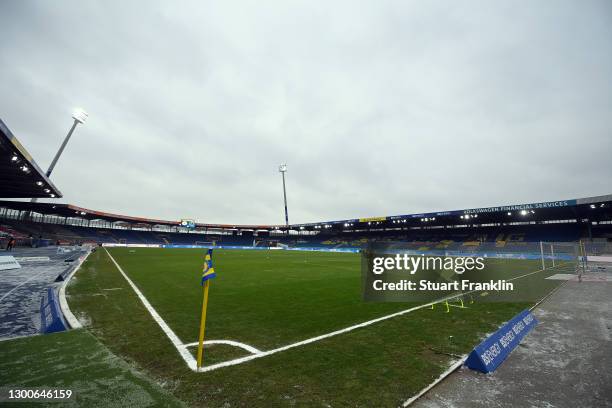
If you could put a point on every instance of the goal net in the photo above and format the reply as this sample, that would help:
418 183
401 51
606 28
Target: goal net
206 243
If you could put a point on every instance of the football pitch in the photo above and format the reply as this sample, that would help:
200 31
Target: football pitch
292 325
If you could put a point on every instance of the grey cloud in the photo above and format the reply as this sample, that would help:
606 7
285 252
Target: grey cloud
378 108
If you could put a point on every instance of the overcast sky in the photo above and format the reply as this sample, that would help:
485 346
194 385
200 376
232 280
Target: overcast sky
378 108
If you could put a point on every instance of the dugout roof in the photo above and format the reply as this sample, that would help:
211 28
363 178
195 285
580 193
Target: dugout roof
20 176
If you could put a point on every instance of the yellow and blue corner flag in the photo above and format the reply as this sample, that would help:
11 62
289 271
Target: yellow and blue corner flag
209 270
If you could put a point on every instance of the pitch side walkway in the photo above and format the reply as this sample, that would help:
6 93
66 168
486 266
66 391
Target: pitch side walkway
566 361
21 289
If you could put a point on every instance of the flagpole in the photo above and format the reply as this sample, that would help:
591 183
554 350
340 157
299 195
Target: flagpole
203 323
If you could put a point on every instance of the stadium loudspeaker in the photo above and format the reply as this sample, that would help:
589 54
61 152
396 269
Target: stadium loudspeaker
489 354
51 319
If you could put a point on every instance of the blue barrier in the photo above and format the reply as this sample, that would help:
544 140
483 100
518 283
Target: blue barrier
352 250
211 246
319 249
489 354
51 319
487 254
496 255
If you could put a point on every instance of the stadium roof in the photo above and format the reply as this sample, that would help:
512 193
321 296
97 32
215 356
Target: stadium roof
20 176
69 210
580 208
590 208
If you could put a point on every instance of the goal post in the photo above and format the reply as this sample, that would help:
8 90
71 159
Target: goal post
552 254
206 243
563 254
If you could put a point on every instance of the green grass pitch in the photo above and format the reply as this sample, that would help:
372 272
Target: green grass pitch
76 361
268 299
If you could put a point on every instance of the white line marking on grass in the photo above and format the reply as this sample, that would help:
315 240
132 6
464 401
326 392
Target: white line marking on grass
178 344
442 376
246 347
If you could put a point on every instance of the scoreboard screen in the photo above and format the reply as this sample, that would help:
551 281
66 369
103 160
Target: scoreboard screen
188 223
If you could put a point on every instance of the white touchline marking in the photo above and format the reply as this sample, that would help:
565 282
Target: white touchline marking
246 347
178 344
191 362
442 376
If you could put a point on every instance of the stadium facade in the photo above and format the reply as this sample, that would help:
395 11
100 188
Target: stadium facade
565 220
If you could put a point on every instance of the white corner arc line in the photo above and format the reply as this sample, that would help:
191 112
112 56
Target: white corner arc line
178 344
246 347
311 340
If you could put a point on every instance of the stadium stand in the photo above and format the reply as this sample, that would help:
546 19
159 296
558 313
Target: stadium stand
502 237
503 229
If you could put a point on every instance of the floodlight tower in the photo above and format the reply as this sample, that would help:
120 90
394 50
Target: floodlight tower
283 169
79 116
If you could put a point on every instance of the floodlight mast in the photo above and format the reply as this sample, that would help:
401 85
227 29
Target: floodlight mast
79 116
283 169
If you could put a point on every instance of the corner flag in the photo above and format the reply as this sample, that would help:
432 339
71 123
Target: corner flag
208 273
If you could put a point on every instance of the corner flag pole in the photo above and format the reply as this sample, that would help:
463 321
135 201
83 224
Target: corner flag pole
207 274
203 322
